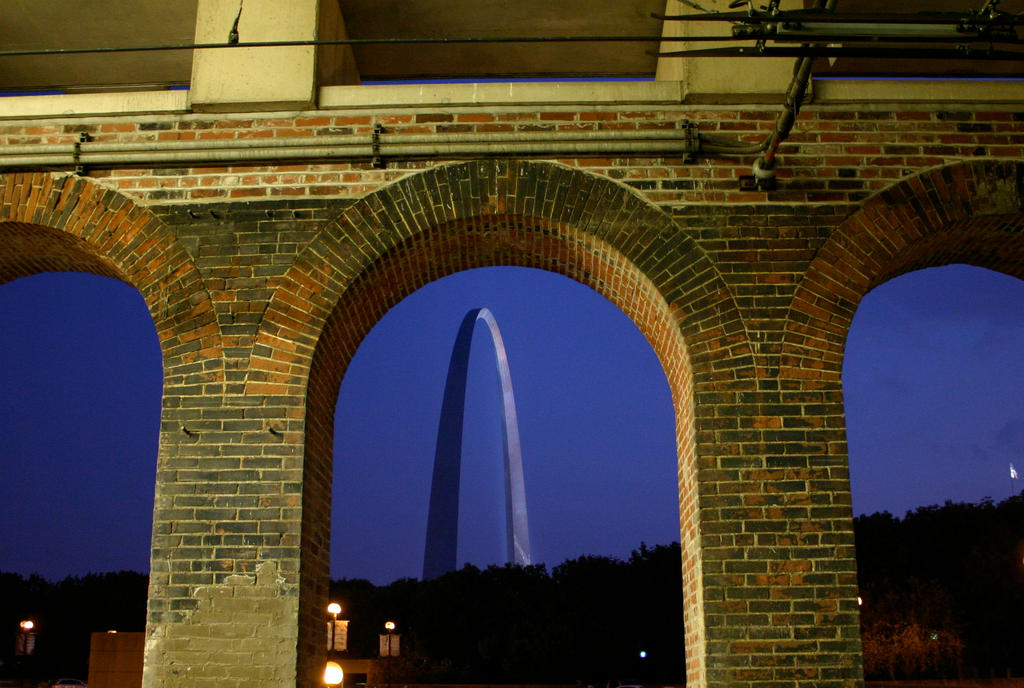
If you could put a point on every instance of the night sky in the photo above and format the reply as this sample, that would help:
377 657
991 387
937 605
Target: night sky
934 391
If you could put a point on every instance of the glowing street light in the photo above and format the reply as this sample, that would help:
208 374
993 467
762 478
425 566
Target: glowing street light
389 641
333 674
388 649
336 641
26 638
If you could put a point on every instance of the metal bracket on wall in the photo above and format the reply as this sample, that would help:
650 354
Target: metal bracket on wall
377 162
692 143
751 182
83 137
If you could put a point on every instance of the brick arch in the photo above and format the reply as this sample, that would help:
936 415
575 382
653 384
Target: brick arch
58 223
601 210
482 242
480 214
963 213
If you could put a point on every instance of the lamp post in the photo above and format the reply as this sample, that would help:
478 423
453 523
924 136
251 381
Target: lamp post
334 609
26 645
334 675
388 649
26 638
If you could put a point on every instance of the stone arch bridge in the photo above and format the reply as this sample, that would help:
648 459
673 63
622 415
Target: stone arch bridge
262 279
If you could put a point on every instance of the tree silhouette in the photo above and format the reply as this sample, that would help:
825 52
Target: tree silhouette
954 571
66 613
587 620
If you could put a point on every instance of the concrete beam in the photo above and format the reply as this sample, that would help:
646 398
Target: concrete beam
501 95
719 79
94 104
255 78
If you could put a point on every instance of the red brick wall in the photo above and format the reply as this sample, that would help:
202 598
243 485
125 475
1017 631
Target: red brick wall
835 155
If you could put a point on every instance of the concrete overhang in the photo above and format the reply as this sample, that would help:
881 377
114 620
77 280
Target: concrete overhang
63 24
67 24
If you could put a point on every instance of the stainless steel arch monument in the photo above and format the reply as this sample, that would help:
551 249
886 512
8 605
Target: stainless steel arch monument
442 521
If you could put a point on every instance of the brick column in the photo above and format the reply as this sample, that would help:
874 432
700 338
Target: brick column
779 571
228 548
225 573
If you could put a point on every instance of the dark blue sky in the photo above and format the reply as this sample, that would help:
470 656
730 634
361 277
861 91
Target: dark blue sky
935 403
934 389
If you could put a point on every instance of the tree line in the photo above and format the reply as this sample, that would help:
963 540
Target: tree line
590 620
942 591
65 614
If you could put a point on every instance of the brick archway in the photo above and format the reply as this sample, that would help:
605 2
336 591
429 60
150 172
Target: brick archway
964 213
968 213
481 214
57 223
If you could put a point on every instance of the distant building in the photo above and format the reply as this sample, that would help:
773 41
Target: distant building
115 660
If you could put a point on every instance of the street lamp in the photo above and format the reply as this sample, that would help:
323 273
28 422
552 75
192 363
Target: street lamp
333 674
26 638
334 609
388 650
